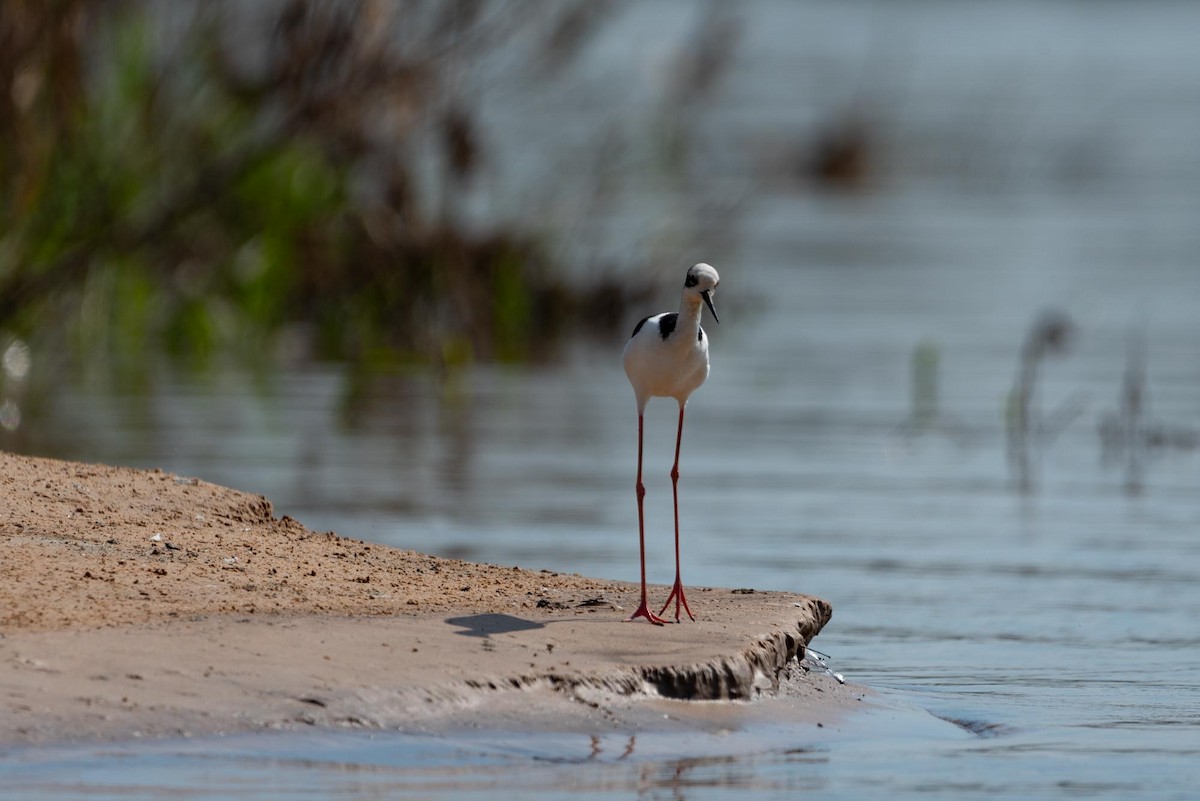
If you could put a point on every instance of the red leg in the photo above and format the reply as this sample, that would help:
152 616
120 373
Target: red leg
677 592
644 609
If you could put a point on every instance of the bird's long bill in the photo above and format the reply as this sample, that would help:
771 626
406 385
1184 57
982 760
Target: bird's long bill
708 300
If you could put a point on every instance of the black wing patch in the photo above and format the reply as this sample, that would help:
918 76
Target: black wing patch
638 327
666 324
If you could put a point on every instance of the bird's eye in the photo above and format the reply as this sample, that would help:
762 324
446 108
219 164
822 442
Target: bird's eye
691 280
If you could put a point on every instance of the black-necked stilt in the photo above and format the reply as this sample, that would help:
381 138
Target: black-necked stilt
667 357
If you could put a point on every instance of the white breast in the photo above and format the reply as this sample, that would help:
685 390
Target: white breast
670 368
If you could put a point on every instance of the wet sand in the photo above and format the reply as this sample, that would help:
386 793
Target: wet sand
140 603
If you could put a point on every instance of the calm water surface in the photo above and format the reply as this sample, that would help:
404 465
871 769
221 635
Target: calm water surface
1038 157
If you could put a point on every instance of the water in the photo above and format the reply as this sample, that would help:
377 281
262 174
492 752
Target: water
506 764
1034 156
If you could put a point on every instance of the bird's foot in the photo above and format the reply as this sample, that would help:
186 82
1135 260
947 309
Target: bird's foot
680 599
644 611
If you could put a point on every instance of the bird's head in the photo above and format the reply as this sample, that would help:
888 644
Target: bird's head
703 279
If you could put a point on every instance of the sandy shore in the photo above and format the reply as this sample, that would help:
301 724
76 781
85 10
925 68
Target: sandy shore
140 603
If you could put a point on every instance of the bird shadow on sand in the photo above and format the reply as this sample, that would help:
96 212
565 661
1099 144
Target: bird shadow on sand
486 625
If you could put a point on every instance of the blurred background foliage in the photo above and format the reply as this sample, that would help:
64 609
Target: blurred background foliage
281 181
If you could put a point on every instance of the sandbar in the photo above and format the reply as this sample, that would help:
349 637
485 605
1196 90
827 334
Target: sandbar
139 603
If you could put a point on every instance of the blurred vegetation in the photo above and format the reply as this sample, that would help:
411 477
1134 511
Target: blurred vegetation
269 181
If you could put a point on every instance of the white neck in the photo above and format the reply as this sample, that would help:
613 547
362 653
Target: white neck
689 314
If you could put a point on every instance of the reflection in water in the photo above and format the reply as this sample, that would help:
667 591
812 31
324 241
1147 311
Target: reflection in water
1123 435
599 750
411 767
1029 431
926 415
1129 437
